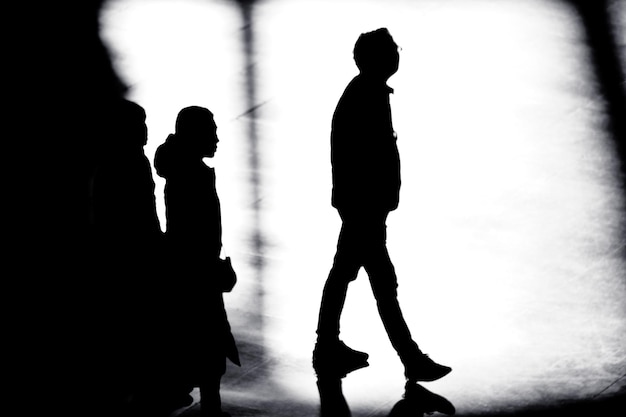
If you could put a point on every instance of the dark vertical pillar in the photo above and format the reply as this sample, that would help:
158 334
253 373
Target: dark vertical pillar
600 33
250 341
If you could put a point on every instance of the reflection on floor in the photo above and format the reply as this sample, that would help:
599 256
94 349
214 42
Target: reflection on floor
509 240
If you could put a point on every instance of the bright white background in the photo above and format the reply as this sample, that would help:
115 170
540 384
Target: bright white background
507 237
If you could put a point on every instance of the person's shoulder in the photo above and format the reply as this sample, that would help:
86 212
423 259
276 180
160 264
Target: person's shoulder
355 89
355 83
362 86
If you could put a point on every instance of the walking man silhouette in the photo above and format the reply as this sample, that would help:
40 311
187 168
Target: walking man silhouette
366 186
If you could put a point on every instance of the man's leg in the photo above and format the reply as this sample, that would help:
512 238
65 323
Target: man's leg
418 366
331 357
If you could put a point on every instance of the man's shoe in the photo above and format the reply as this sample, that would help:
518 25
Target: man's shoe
422 368
335 359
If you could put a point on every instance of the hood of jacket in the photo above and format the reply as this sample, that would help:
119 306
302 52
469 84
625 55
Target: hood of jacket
168 157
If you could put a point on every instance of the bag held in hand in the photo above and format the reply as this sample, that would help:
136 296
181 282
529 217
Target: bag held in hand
226 274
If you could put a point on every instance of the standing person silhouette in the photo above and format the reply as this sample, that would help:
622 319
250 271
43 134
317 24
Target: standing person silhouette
126 240
201 335
366 186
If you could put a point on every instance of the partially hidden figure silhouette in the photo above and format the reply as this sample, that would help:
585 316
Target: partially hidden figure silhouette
203 339
127 239
366 188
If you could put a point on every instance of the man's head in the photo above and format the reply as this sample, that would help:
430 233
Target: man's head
376 54
196 127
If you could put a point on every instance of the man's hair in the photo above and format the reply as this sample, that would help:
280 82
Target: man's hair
370 46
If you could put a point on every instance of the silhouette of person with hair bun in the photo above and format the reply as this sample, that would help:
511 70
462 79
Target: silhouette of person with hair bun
202 336
366 188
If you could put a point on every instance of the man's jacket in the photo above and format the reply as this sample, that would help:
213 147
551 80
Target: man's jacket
364 154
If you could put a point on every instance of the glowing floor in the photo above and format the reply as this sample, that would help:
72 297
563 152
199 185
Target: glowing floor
508 241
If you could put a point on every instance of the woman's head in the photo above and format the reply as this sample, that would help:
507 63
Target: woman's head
195 126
